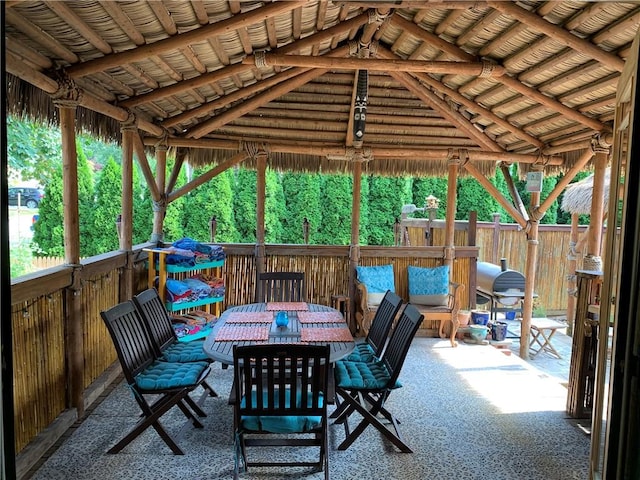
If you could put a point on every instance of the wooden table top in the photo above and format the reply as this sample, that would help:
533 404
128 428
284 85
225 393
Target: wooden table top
255 323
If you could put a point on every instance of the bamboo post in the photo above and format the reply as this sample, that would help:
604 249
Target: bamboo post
160 207
452 181
496 238
530 272
572 256
126 241
261 158
67 104
354 251
594 240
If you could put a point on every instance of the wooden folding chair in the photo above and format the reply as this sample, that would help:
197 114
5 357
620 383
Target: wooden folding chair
166 345
280 287
378 334
169 382
280 401
365 386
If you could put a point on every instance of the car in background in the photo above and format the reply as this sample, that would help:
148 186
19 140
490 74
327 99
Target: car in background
29 197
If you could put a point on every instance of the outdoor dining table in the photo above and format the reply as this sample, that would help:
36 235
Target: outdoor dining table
256 323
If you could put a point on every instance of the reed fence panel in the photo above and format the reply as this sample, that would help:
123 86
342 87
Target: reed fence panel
39 365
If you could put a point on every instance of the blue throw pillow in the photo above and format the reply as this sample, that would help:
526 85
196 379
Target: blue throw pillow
428 286
378 280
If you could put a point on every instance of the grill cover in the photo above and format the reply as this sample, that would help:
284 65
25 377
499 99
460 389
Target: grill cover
491 278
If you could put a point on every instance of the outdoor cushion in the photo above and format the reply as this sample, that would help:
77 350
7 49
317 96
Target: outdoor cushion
362 353
161 375
185 352
378 280
362 375
280 423
428 286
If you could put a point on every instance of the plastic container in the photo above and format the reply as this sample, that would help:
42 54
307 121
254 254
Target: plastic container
510 315
499 331
479 317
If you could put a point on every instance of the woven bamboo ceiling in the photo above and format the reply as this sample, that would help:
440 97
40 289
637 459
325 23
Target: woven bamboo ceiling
437 78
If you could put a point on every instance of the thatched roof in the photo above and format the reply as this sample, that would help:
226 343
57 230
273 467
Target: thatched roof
461 78
577 196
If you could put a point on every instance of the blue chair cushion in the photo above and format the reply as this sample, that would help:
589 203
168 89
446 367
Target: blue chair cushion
279 423
162 375
362 353
185 352
378 280
428 286
362 375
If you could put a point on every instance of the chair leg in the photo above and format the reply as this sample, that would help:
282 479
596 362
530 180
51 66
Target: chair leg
152 419
369 418
182 405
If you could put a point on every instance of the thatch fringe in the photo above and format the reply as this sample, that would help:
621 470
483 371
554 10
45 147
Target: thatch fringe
578 196
29 102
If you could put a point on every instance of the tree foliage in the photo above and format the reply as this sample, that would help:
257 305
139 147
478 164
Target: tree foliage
213 199
335 208
274 207
302 200
108 206
244 204
48 233
386 198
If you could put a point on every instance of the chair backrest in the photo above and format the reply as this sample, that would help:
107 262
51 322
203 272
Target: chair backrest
400 341
280 287
269 377
156 318
130 338
382 321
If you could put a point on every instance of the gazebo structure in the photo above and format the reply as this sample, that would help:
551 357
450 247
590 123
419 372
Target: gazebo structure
411 88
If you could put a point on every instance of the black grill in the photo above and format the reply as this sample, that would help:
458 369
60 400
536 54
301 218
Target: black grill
502 287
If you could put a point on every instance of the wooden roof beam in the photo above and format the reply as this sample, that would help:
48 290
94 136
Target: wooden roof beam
184 39
520 87
261 99
238 95
558 33
395 64
378 151
481 111
238 68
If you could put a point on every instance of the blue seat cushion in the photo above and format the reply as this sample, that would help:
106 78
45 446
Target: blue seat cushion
279 423
378 279
428 286
362 375
162 375
362 353
185 352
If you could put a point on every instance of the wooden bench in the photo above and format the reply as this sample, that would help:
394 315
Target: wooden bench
441 314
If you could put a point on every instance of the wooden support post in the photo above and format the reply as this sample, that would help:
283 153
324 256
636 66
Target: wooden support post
126 240
530 272
354 251
452 182
594 240
572 258
496 238
260 209
75 329
160 207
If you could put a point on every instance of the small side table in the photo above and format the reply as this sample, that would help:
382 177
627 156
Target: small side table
542 331
343 305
